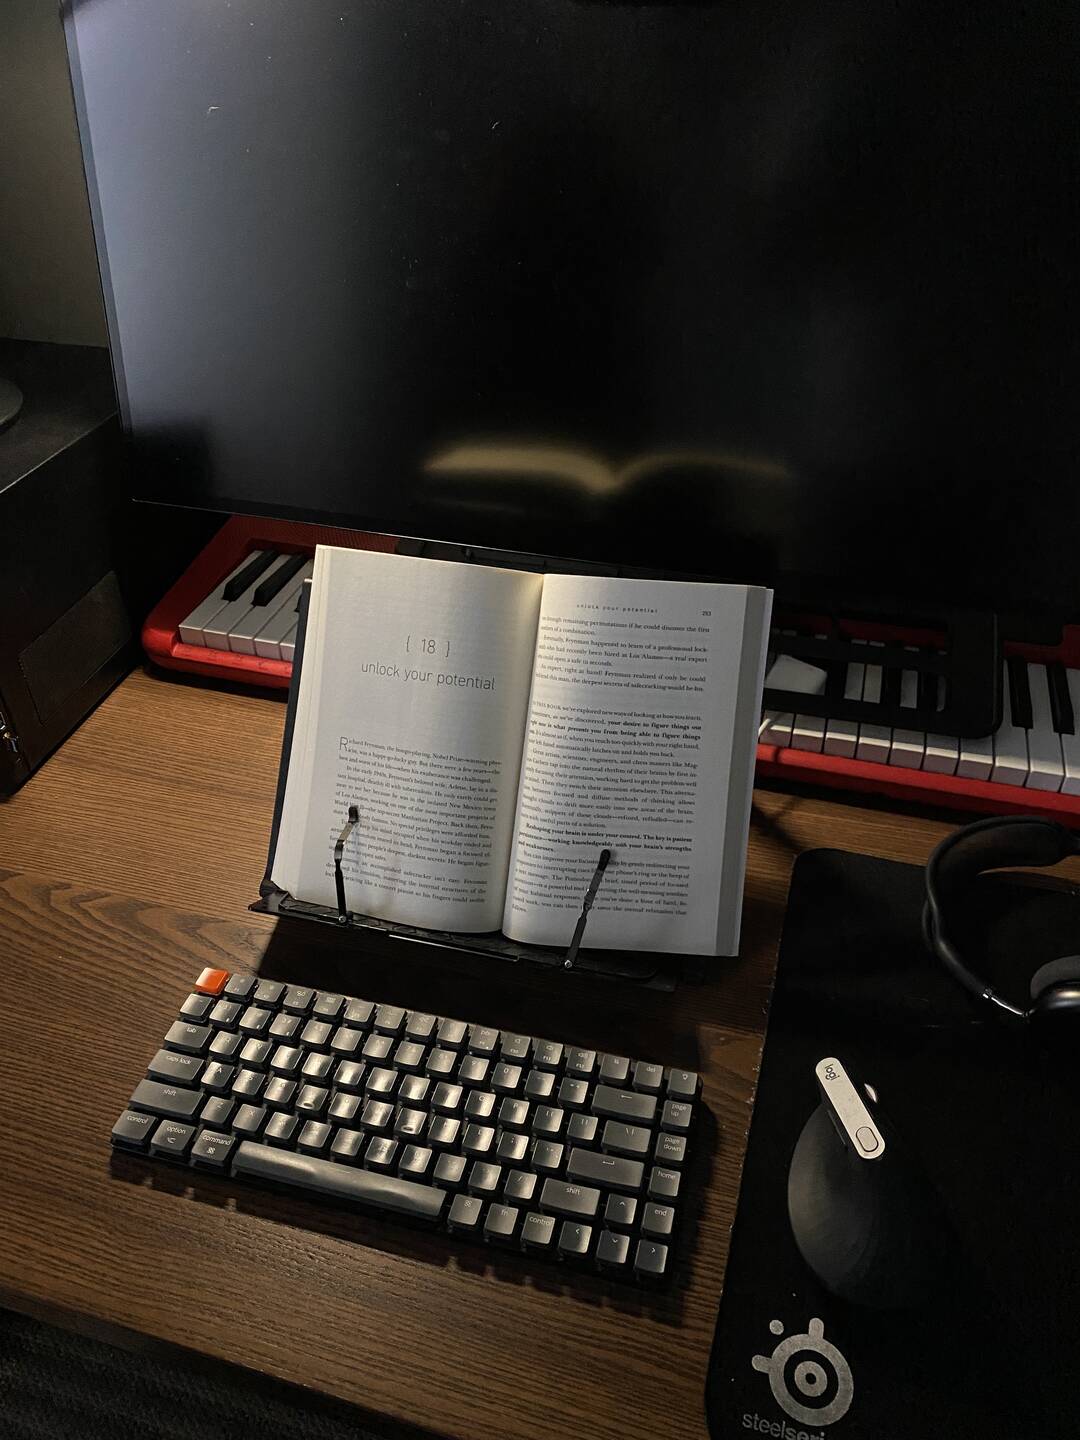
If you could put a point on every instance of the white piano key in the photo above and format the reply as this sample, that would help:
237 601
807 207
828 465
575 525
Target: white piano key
1046 770
841 736
775 728
191 628
790 673
1070 744
243 635
874 741
217 633
942 751
288 645
908 746
808 732
1010 745
976 758
269 639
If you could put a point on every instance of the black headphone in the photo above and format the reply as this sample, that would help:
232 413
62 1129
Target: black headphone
955 864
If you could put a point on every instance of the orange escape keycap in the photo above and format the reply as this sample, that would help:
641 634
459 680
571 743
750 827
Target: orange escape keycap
211 982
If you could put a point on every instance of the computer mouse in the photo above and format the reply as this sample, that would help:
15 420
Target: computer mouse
864 1216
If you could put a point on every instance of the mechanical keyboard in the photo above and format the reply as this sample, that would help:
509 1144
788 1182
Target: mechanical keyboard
504 1138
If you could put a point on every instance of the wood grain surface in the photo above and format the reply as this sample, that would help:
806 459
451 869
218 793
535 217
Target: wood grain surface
126 865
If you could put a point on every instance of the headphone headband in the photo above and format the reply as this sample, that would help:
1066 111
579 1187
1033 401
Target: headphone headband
964 855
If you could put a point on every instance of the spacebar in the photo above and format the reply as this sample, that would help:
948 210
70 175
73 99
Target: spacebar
334 1181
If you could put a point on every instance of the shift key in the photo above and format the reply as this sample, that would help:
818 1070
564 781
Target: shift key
168 1101
610 1171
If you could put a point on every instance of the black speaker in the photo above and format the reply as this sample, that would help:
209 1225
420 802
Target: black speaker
78 561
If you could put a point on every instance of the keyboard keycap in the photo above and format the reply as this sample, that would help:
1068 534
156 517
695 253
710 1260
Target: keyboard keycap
484 1177
620 1139
249 1120
132 1131
580 1063
611 1172
574 1240
217 1078
582 1129
452 1034
560 1197
514 1114
464 1217
520 1186
480 1105
670 1149
196 1008
216 1113
447 1098
538 1233
682 1084
187 1038
348 1145
328 1006
614 1070
299 999
413 1091
248 1084
676 1116
281 1129
650 1260
226 1014
255 1020
515 1048
314 1138
547 1055
239 987
450 1171
269 993
316 1035
350 1076
211 981
621 1211
512 1147
415 1162
389 1019
339 1182
657 1221
483 1040
623 1105
168 1101
212 1150
420 1026
663 1183
174 1067
381 1153
279 1093
648 1077
500 1224
285 1026
612 1251
171 1140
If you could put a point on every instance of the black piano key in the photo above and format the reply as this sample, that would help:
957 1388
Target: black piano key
266 591
257 565
1020 693
1061 707
890 686
926 691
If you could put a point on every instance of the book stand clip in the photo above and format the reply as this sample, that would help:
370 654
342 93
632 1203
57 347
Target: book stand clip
344 917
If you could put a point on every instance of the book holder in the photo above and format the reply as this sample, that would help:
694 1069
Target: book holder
656 971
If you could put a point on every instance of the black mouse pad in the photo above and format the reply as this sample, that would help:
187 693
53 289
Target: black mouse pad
987 1112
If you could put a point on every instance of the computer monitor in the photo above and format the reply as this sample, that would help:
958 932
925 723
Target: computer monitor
752 289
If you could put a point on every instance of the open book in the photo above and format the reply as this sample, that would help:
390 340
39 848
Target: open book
497 729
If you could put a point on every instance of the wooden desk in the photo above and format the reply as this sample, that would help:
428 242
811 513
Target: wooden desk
126 864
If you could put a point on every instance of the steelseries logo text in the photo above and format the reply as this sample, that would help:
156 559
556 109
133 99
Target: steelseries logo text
780 1429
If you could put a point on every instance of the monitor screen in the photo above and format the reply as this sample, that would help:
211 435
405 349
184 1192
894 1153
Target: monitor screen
763 291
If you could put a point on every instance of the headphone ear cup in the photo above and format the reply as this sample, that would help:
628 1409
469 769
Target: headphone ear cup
1055 972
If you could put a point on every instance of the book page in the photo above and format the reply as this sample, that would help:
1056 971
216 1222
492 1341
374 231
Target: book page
412 701
640 738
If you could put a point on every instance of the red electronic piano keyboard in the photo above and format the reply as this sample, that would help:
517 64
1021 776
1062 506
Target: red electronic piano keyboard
232 616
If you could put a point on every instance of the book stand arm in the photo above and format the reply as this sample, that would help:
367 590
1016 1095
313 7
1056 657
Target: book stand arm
579 929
